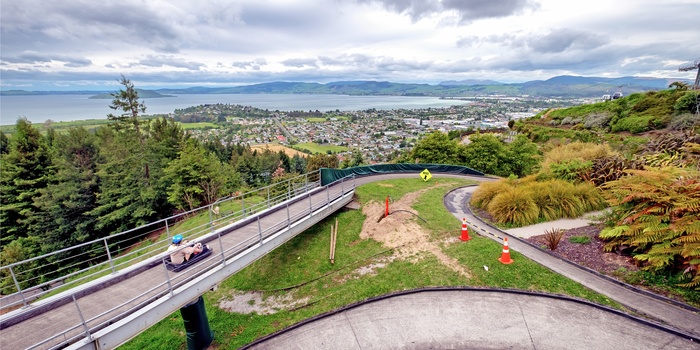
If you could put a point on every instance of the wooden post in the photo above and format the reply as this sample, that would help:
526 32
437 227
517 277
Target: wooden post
334 235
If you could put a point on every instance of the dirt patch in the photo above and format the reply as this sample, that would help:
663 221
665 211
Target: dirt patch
399 230
276 148
253 302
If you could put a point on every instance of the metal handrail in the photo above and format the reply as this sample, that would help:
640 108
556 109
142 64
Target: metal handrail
282 191
174 281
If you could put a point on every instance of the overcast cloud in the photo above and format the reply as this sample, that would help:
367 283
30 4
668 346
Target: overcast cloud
86 44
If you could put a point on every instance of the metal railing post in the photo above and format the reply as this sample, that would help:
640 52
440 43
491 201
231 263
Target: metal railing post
306 182
311 208
268 197
260 230
82 319
289 219
221 246
109 256
167 278
243 206
167 229
19 290
211 219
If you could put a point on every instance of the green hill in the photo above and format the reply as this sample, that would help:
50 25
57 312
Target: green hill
672 110
142 94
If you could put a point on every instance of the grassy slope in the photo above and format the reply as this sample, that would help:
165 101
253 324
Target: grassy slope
316 148
304 260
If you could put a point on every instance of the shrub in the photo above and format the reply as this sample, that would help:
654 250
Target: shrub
514 206
687 103
539 192
685 121
639 123
576 150
553 237
580 239
571 170
590 196
568 204
597 120
483 195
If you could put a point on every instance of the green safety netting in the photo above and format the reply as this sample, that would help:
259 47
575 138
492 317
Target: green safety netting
329 175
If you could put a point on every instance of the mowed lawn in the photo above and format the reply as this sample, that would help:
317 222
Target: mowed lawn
316 148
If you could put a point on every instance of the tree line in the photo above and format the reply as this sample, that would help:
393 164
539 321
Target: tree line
58 190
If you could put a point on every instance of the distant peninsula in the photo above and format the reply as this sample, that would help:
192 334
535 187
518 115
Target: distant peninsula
142 94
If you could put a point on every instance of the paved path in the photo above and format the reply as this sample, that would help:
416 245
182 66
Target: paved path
658 309
474 319
564 224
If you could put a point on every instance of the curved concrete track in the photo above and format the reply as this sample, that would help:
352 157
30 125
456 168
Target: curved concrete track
654 307
474 319
29 331
488 319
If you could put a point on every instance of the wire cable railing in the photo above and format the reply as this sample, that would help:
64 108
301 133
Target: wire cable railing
39 276
159 281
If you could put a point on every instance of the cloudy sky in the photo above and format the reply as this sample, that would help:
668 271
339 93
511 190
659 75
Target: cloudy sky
87 44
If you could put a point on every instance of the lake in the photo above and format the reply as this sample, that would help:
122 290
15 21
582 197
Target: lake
39 108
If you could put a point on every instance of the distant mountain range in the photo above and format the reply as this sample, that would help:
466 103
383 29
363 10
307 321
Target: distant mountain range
559 86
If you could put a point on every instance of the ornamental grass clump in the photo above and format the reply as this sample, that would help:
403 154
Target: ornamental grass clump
539 192
486 191
553 237
567 203
591 197
514 206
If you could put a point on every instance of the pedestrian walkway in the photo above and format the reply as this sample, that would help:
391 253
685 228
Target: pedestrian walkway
564 224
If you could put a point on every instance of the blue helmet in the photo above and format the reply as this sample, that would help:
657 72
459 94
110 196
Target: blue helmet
177 239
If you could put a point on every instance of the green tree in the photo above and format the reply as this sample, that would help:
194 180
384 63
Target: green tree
127 198
4 144
319 161
488 154
71 195
25 171
127 100
297 164
197 178
523 156
436 148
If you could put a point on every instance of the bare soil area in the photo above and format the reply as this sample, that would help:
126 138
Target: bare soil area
401 231
276 148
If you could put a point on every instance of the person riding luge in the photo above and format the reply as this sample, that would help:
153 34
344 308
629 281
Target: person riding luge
181 251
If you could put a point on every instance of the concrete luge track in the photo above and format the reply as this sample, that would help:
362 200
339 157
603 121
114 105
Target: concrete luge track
114 308
139 290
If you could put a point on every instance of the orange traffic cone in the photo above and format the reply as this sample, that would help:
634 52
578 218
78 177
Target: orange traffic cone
465 231
505 257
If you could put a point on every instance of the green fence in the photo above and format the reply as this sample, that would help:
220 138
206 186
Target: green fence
330 175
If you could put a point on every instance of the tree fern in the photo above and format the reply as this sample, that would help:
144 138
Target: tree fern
658 211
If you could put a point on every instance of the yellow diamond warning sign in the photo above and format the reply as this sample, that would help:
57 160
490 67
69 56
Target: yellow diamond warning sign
425 175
